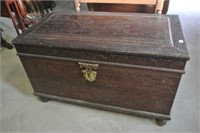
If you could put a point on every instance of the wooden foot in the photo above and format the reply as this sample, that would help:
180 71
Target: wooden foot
161 122
4 43
43 99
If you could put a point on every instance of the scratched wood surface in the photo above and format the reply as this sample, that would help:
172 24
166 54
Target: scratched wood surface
141 60
151 35
139 89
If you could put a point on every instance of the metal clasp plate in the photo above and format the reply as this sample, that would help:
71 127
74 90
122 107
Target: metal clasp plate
89 71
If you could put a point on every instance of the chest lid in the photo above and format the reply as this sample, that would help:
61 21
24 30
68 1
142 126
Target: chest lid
120 33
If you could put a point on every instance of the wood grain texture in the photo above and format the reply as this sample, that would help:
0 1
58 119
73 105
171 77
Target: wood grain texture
103 106
139 68
150 35
138 89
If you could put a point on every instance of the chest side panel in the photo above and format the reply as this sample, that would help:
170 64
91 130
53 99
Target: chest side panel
141 58
126 87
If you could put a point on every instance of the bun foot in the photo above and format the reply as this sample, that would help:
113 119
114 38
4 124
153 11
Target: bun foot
43 99
161 122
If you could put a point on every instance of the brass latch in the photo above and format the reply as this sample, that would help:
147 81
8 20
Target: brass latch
89 71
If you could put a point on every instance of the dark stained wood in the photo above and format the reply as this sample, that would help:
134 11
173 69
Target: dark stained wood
43 99
105 107
141 60
148 67
120 33
161 122
139 89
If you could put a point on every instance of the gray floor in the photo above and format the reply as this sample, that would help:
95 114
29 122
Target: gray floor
22 112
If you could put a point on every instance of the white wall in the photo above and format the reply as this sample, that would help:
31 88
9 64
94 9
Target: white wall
184 6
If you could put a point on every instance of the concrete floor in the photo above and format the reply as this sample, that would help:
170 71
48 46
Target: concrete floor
22 112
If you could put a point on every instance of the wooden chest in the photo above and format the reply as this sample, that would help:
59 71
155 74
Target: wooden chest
130 63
